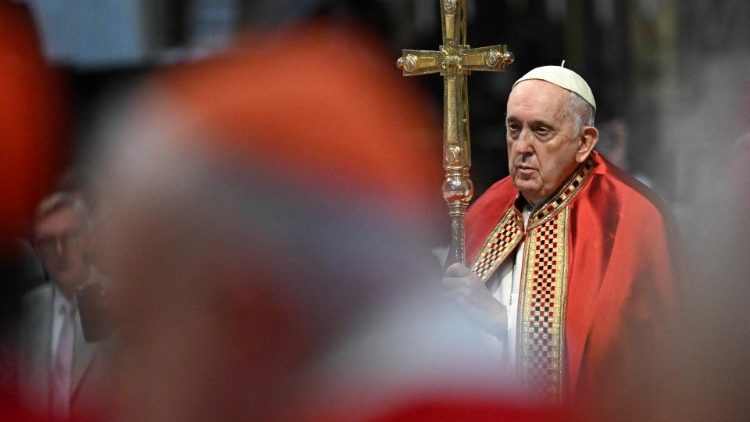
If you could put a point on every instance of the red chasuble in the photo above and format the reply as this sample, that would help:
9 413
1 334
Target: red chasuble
597 284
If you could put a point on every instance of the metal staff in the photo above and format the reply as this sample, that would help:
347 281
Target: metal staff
454 61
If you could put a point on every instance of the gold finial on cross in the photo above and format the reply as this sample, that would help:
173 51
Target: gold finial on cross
454 61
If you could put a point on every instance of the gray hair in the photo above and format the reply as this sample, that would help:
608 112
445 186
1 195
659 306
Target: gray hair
582 112
61 200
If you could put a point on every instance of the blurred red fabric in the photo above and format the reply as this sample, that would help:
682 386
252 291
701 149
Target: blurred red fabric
33 121
351 124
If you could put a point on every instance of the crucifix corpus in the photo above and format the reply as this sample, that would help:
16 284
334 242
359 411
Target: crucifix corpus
454 61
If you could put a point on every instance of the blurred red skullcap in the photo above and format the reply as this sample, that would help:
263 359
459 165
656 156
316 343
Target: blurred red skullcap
321 107
32 122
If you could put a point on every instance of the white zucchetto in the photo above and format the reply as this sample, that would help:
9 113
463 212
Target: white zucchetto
562 77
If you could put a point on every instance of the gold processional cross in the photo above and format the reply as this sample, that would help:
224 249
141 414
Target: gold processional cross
454 61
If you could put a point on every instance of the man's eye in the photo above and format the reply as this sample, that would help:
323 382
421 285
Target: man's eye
542 130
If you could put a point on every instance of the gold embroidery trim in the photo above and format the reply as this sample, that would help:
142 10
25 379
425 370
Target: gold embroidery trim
541 333
499 244
509 231
541 337
564 195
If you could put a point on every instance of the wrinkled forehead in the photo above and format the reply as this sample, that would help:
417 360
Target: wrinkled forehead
532 99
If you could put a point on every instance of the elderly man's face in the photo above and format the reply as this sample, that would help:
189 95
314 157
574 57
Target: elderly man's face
543 149
60 240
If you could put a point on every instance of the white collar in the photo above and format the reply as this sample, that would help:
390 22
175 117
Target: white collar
61 302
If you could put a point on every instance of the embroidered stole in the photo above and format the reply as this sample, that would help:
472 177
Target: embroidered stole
541 339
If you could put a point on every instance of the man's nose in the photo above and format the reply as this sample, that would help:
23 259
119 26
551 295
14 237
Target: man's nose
523 142
59 246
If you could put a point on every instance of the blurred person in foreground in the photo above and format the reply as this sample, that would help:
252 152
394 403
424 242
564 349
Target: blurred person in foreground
572 263
56 370
714 343
33 118
272 212
33 123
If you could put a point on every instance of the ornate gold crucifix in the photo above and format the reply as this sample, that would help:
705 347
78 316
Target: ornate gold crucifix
454 61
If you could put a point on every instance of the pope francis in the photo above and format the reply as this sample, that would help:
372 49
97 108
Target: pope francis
571 263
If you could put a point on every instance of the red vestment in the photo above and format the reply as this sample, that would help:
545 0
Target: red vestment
621 271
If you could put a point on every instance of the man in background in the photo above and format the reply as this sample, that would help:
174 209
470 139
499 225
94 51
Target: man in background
54 359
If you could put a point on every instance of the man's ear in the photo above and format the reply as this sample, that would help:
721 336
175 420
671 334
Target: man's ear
88 247
588 139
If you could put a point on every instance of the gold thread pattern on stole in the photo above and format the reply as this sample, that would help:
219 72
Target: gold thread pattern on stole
499 244
564 195
541 345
